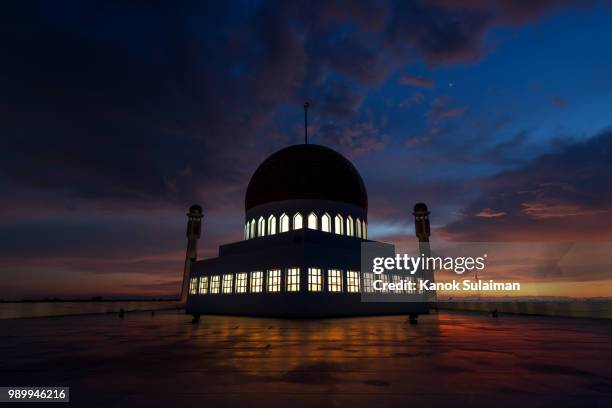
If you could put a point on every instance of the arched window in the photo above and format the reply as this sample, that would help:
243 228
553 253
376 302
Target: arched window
271 225
297 221
350 226
261 227
312 221
284 223
326 223
358 228
339 225
365 230
252 228
246 230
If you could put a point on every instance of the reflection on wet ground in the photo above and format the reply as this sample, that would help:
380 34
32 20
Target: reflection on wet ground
449 359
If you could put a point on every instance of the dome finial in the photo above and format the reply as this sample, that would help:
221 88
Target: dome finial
306 106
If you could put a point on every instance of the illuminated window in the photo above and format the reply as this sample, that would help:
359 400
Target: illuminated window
293 280
365 230
352 281
241 282
334 280
385 280
252 228
349 226
396 279
315 280
203 285
326 223
297 221
407 288
339 224
228 280
312 221
271 225
246 231
193 286
215 282
358 228
368 281
274 280
256 282
284 223
261 227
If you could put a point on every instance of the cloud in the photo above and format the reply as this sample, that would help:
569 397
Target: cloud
489 213
416 81
440 110
558 101
558 196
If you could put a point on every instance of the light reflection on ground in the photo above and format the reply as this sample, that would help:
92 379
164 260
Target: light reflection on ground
446 360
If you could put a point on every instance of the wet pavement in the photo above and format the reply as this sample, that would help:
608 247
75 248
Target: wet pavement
450 359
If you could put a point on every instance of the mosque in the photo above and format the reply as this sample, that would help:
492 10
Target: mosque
306 219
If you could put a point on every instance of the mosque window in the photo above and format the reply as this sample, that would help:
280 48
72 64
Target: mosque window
407 288
365 230
271 225
339 225
334 280
368 281
203 285
241 282
252 228
385 281
246 231
312 221
326 223
228 280
350 227
315 280
358 228
396 279
297 221
352 281
256 282
261 227
215 282
193 286
284 223
274 280
293 280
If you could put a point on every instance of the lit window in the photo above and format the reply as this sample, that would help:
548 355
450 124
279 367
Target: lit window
339 224
352 281
246 231
271 225
407 288
241 282
358 228
312 221
215 282
203 285
334 280
284 223
315 280
293 280
365 230
261 227
228 280
385 280
297 221
193 286
368 282
396 280
349 226
326 223
256 282
252 234
274 280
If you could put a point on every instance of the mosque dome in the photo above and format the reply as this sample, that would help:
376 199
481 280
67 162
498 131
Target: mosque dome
306 171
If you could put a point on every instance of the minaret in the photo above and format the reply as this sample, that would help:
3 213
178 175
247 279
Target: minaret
193 234
423 231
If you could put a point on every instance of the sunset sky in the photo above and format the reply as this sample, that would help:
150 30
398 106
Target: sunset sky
117 116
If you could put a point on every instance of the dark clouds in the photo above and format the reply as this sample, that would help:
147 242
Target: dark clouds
562 196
